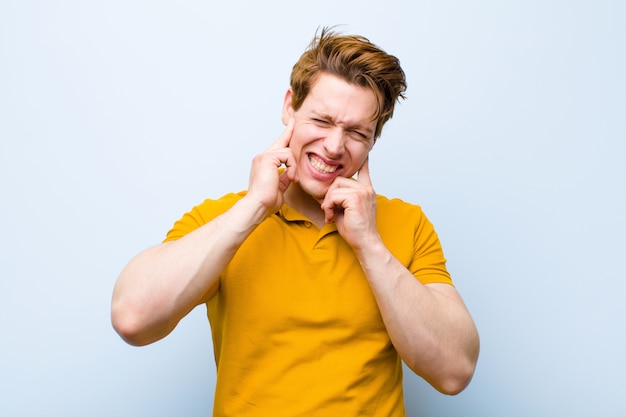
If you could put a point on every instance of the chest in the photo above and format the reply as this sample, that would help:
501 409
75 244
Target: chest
288 276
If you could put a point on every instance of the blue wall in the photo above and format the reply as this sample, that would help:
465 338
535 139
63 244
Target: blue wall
116 117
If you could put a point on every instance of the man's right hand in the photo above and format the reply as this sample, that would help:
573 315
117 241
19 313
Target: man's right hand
267 184
156 290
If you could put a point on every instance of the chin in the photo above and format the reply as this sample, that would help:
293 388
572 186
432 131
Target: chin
316 191
318 196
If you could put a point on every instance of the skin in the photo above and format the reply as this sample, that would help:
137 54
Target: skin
325 143
331 141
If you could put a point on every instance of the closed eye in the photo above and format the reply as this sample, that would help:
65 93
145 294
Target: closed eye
358 134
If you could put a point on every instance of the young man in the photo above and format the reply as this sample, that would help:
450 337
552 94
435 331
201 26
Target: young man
316 288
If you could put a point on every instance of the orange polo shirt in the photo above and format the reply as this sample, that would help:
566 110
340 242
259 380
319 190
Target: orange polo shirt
296 329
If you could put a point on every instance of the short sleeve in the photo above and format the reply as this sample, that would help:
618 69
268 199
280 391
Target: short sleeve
428 263
202 214
412 239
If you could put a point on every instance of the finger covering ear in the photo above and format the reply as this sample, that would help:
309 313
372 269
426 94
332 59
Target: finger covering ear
363 174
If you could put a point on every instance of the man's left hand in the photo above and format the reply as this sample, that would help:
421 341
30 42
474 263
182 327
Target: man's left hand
352 206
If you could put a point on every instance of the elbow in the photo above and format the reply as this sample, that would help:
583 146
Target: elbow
458 378
461 371
127 327
451 377
131 327
450 382
455 384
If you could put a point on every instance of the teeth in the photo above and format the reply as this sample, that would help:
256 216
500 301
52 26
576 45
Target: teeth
321 166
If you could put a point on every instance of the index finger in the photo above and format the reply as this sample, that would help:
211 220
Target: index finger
284 139
363 175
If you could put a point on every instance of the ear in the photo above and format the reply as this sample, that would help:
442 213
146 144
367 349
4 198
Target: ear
287 107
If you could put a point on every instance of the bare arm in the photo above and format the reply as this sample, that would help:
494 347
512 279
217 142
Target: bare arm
163 284
429 325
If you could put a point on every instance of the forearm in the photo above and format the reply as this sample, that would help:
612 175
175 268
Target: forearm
164 283
428 324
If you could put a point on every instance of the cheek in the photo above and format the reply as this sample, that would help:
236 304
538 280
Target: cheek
359 152
301 137
296 145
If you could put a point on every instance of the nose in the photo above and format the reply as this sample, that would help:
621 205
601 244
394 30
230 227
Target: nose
334 143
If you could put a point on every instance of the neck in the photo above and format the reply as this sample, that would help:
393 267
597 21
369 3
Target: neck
304 203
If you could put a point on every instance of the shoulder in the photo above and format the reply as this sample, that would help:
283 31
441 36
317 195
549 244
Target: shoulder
402 224
398 220
202 214
411 237
395 209
211 208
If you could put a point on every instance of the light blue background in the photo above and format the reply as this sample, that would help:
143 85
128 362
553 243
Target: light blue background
116 117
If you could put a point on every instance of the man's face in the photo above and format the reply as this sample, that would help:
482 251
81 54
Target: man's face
333 133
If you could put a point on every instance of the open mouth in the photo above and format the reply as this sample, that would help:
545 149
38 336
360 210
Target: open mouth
322 166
